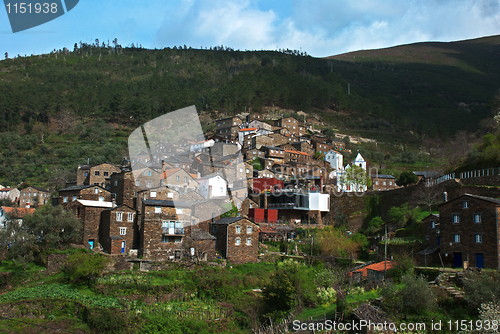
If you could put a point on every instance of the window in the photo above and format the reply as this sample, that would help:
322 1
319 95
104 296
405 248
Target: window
249 229
383 183
248 170
65 199
149 173
119 216
433 224
153 194
376 183
238 241
96 190
390 183
249 242
178 211
101 198
157 209
456 218
185 179
123 230
148 184
85 174
105 173
177 178
170 195
214 229
456 238
477 218
116 183
130 217
465 204
478 238
238 229
137 183
96 173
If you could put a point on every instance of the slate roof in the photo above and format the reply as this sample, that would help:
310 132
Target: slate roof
158 202
80 187
197 234
230 220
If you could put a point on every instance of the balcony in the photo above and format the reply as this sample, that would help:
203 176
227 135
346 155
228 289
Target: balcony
172 231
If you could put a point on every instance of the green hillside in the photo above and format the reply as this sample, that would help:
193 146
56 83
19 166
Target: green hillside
433 88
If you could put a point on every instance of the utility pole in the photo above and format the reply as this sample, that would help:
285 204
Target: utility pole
385 255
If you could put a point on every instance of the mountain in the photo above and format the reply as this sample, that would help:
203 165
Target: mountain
433 88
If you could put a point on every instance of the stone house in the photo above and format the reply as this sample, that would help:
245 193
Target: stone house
226 122
147 177
252 154
469 231
89 213
33 197
179 179
237 239
228 133
95 174
381 182
296 156
124 188
291 124
279 139
160 193
117 229
162 229
264 140
303 146
276 154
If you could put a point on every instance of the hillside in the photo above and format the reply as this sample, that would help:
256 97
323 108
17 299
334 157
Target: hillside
433 88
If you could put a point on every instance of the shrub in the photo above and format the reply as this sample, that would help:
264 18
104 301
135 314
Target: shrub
415 297
106 320
327 296
85 266
482 288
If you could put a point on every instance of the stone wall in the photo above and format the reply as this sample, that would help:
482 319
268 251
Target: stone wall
55 262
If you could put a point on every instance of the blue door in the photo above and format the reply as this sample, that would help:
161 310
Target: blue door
123 246
457 260
439 240
91 243
479 260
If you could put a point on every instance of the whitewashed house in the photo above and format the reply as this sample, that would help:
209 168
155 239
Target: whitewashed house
212 186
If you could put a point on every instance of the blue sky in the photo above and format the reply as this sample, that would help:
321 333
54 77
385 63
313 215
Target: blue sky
319 27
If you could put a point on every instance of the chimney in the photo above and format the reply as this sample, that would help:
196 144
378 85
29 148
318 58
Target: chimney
114 202
445 197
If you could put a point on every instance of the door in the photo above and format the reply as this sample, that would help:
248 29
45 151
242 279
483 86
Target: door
457 260
439 240
91 243
123 246
479 260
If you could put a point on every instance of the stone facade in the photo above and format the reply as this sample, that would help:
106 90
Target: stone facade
432 230
259 141
159 241
123 188
292 125
237 239
117 229
469 230
95 174
33 197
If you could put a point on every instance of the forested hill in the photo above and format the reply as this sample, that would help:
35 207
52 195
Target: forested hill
434 87
132 85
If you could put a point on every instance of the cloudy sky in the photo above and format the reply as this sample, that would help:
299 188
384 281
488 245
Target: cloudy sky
319 27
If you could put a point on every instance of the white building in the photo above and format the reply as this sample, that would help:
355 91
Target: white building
202 146
212 186
335 159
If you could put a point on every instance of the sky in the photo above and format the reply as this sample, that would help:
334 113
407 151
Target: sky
319 27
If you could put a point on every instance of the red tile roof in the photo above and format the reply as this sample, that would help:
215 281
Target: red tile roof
248 129
297 152
18 212
375 267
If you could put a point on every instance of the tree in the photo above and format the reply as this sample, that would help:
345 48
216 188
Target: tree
52 226
428 195
401 215
335 242
356 178
6 55
407 178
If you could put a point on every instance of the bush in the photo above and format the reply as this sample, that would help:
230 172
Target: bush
415 297
482 288
106 320
85 267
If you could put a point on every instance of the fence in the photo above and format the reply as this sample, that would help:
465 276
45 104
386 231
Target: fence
470 174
